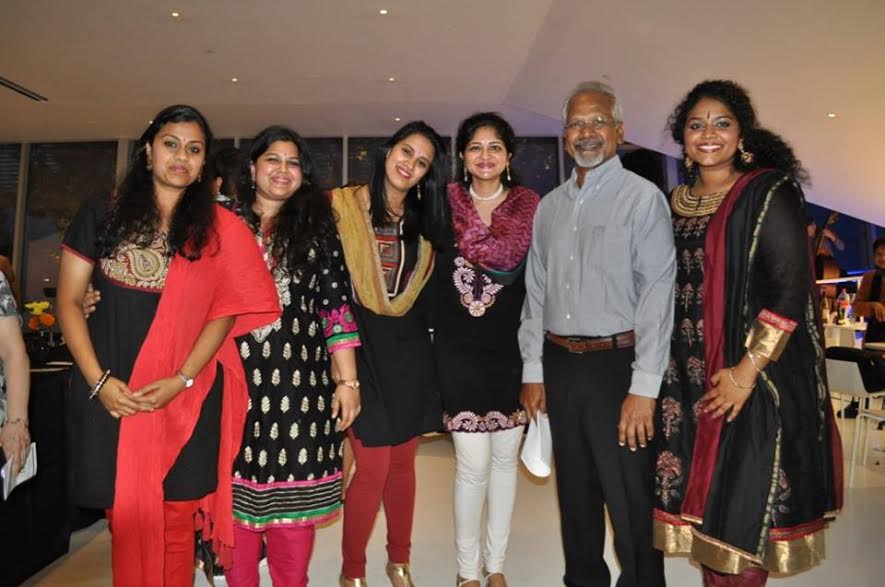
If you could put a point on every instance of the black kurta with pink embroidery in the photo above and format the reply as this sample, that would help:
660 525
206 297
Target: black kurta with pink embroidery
479 290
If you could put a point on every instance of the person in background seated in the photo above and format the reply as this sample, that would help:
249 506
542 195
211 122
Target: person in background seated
14 381
870 300
226 167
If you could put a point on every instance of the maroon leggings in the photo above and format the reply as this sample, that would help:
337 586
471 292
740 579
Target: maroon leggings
749 578
383 473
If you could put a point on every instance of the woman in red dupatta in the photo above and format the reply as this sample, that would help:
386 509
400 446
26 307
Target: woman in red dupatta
749 458
158 399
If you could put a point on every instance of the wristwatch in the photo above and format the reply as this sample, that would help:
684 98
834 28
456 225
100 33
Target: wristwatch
188 382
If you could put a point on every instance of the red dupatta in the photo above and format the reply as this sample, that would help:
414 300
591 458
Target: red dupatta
229 279
706 446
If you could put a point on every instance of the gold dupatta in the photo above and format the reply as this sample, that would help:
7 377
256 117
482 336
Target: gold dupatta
364 262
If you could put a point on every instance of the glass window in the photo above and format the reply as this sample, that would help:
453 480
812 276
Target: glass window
535 160
327 160
9 162
61 177
359 157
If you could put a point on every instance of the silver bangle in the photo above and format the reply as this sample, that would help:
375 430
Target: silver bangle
100 383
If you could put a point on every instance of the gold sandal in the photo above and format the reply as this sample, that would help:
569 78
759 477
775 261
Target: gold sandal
399 574
345 582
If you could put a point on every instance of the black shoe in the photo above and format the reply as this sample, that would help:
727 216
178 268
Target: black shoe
850 411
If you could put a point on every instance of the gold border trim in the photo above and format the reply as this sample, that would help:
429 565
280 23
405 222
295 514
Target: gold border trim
766 340
781 556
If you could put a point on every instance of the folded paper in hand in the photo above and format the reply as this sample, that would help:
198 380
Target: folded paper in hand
28 470
538 446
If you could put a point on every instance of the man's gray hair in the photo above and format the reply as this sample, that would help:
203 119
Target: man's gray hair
594 87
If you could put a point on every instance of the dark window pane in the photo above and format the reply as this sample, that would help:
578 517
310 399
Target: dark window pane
327 160
9 161
219 144
535 161
359 157
61 177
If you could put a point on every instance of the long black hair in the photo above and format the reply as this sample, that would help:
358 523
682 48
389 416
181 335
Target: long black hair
769 149
502 128
134 217
427 216
306 219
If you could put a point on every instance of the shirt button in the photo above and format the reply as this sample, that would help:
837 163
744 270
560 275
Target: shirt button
568 285
575 229
568 316
571 257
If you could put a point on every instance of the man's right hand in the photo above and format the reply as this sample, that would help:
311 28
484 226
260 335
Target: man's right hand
90 298
533 398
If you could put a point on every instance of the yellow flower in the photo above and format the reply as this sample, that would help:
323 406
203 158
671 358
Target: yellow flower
37 308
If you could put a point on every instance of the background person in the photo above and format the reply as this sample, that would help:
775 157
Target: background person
15 380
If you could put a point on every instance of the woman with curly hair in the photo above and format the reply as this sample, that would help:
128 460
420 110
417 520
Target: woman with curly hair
479 294
391 230
158 398
303 387
749 458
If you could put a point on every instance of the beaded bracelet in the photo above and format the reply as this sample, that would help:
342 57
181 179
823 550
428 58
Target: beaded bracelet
100 383
735 381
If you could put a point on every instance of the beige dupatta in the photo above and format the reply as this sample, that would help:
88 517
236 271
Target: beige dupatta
364 262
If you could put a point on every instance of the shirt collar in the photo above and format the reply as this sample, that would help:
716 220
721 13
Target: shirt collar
593 178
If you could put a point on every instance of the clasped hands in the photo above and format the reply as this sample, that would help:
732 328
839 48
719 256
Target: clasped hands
119 400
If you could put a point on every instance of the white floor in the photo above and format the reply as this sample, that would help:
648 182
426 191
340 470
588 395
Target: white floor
855 542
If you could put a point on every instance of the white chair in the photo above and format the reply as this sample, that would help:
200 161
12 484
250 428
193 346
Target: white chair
845 380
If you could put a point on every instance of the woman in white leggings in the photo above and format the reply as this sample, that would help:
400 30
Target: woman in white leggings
479 295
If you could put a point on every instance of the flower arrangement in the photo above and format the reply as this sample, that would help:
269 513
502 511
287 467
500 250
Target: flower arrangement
41 316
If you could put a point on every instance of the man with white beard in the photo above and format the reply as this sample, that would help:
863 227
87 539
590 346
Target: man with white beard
595 338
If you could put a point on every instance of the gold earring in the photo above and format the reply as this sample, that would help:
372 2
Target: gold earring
253 183
149 165
466 178
686 160
746 156
419 191
508 172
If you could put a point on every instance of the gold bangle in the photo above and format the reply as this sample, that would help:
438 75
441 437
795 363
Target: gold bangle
753 361
354 384
735 381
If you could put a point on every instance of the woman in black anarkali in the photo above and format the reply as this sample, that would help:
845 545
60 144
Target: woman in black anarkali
748 455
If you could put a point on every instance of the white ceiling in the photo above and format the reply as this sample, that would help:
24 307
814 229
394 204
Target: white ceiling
322 66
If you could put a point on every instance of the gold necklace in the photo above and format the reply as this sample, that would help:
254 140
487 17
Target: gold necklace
689 205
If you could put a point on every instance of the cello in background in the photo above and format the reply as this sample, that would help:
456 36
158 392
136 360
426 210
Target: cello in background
825 264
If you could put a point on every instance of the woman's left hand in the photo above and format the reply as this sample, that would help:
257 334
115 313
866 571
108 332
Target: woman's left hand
346 402
161 392
725 397
15 440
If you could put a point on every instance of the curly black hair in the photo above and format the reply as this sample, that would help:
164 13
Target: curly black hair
468 128
769 149
427 216
133 216
305 220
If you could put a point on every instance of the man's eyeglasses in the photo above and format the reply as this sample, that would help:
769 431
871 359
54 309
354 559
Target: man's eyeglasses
596 123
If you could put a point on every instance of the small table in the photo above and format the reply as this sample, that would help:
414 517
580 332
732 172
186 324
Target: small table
843 334
875 346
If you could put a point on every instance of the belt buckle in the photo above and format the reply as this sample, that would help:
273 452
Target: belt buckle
574 341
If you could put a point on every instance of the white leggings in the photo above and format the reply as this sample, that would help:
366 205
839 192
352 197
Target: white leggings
485 470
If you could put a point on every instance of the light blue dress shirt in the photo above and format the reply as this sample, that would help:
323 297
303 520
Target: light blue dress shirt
602 261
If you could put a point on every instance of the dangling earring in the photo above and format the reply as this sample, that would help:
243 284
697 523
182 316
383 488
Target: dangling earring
149 165
419 192
466 177
508 172
746 156
686 160
253 183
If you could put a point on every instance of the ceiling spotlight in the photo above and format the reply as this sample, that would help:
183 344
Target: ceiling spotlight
235 79
831 115
175 14
397 119
383 11
391 79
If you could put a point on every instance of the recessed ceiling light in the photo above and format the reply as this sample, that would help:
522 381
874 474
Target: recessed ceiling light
235 79
383 11
831 115
175 14
151 121
397 119
391 79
